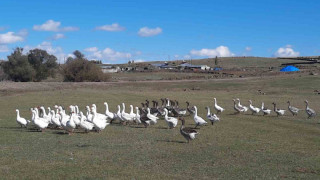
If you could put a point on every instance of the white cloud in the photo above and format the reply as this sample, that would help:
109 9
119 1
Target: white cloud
54 26
113 27
10 37
248 49
58 36
221 51
286 52
56 51
107 54
139 60
4 48
147 32
91 49
187 56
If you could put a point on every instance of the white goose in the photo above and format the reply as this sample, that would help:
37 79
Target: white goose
309 111
102 116
137 118
71 125
197 119
84 124
118 115
280 112
245 108
171 121
41 123
55 119
75 117
89 114
110 115
212 117
99 124
64 119
45 117
125 116
254 110
153 118
237 108
218 108
265 111
20 120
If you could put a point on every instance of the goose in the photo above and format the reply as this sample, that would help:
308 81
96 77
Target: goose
45 117
310 112
280 112
254 110
265 110
74 116
186 132
212 117
132 114
99 124
137 118
71 125
125 116
241 106
63 120
179 111
190 109
102 116
55 119
292 109
41 123
152 117
218 108
110 115
89 115
84 124
197 119
237 108
20 120
171 121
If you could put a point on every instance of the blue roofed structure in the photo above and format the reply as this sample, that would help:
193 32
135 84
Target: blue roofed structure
289 69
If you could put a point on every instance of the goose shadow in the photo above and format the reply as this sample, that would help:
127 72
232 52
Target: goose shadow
138 127
172 141
162 128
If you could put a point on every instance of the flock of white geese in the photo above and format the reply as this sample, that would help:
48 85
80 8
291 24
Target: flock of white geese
58 118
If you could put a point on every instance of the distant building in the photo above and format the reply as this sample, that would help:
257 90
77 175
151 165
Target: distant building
192 67
109 69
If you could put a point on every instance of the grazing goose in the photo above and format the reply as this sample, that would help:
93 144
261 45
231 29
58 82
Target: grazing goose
245 108
84 124
190 109
218 108
197 119
20 120
171 121
212 117
254 110
309 111
280 112
186 132
177 111
292 109
265 110
237 108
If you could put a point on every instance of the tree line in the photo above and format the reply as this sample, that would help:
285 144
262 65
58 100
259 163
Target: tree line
37 65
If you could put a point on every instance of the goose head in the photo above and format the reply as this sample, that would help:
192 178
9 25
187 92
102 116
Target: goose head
306 101
250 101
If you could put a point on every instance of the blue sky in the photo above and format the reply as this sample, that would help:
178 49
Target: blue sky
143 30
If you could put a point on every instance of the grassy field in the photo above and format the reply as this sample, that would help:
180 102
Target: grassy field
238 147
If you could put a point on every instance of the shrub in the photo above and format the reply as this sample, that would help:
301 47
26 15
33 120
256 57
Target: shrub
80 69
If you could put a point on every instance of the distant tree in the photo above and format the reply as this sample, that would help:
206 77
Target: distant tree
18 67
78 55
79 69
43 63
216 61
